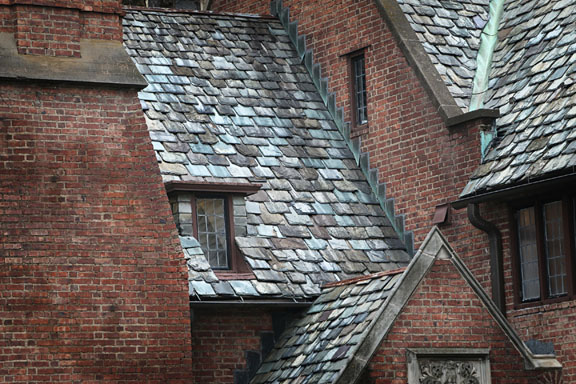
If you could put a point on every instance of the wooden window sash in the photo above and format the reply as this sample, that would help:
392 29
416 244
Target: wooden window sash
569 228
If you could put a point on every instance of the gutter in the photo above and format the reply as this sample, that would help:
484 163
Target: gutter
518 191
252 303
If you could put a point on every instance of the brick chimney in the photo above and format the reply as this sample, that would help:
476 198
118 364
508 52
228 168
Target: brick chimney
93 285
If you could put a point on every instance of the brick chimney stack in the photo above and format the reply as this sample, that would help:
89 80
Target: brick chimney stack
93 284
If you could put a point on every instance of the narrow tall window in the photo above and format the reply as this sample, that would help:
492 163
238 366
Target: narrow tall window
359 89
555 253
527 245
545 237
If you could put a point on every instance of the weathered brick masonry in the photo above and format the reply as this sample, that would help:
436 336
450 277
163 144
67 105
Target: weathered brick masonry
92 279
444 312
221 340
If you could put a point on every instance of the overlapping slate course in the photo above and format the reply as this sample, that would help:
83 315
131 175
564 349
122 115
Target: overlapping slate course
229 101
318 346
450 33
533 83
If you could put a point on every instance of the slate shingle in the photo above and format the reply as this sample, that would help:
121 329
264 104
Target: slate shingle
450 33
229 101
533 84
323 341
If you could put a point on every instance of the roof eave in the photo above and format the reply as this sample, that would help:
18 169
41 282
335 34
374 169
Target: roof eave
425 70
530 188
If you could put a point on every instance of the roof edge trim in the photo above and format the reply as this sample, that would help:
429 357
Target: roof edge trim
514 192
202 186
409 281
418 58
483 113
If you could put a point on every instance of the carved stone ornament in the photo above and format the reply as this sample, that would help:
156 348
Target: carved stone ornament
448 372
448 366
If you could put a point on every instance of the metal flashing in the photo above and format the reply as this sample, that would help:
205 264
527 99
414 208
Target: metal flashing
488 41
337 113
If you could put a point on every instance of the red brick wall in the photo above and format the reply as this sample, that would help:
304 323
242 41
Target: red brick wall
548 323
54 28
221 338
93 285
257 7
444 312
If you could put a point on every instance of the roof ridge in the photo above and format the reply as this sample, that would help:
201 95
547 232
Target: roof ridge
357 279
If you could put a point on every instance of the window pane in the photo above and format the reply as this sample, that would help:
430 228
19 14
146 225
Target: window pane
555 253
212 231
360 98
528 254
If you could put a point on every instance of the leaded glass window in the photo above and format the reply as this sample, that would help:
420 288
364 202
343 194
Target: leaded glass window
555 252
212 235
545 244
529 270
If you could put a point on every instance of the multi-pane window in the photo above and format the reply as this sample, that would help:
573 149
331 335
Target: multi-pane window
212 233
359 94
545 246
214 214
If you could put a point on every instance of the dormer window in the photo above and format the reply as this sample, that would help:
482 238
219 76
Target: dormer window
205 211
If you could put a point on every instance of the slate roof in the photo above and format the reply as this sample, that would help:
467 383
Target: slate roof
318 346
450 33
533 83
229 101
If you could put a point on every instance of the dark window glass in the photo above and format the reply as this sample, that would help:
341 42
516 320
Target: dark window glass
526 225
555 252
211 219
360 98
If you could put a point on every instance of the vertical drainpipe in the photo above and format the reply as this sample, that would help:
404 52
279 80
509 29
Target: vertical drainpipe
488 41
495 237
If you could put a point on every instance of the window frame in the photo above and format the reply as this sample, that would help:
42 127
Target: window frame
228 225
238 267
568 211
357 126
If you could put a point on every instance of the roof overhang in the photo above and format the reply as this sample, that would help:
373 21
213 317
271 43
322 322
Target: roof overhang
517 191
203 186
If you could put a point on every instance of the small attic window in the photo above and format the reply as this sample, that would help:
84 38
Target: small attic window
206 211
212 228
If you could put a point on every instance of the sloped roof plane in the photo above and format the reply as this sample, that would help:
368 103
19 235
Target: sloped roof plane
229 101
450 33
533 84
